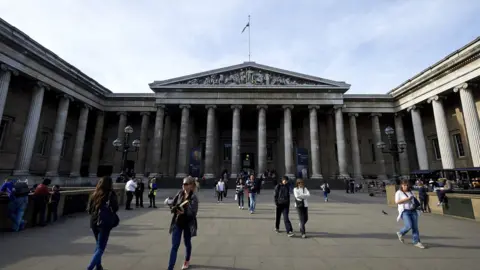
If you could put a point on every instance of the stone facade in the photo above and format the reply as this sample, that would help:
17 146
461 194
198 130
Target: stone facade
58 122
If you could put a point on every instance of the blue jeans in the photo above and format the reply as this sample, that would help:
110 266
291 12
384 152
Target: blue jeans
240 199
101 236
253 202
325 195
410 220
176 238
16 210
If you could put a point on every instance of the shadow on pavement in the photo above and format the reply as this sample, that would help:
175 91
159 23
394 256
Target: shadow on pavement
436 245
234 218
208 267
369 235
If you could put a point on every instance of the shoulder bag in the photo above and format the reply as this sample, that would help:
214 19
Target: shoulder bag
301 202
106 217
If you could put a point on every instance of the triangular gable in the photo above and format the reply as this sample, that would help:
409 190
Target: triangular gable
248 73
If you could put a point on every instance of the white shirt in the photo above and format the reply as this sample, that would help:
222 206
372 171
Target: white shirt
130 185
400 195
324 186
221 186
301 194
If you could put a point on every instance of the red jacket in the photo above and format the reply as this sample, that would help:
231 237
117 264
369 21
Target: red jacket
41 190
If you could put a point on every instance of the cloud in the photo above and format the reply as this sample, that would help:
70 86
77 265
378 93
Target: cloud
373 45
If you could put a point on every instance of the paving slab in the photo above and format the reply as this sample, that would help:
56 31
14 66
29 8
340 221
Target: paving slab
348 232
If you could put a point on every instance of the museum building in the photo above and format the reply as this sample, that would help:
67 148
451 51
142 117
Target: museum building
58 122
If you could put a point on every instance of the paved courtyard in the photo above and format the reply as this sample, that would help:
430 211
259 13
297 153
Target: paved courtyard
349 232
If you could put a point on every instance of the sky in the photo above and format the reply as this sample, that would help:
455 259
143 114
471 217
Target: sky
374 45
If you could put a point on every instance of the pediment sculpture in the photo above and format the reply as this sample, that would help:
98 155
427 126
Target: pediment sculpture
248 76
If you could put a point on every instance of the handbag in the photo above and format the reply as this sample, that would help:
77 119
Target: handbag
106 217
301 203
416 203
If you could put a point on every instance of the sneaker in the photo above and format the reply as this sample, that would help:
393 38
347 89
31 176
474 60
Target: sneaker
251 212
290 234
276 230
186 265
419 245
400 237
304 236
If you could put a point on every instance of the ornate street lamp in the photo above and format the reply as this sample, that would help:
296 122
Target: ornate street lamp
124 147
394 148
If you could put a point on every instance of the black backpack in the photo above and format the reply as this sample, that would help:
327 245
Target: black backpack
21 189
283 195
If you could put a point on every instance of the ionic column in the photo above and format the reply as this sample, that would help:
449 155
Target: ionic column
332 163
377 137
341 146
235 141
262 139
472 123
122 123
79 141
357 168
97 144
142 151
288 140
419 137
209 143
24 156
402 157
158 139
59 131
182 169
167 131
5 76
314 144
446 152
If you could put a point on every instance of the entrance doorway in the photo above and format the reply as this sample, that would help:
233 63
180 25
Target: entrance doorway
248 161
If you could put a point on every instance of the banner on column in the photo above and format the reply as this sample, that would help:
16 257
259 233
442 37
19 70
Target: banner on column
302 162
195 161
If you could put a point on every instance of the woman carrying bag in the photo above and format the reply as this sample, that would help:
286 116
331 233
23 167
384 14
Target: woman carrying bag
102 207
301 194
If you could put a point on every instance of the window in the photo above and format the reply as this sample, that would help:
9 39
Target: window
372 148
64 147
436 149
459 145
43 143
227 151
269 152
4 125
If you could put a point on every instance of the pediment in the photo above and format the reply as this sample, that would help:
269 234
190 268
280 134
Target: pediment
248 74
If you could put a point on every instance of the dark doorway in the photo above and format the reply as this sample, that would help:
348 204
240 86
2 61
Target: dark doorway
129 166
248 161
104 170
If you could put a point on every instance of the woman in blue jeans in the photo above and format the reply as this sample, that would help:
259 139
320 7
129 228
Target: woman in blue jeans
404 198
184 221
102 196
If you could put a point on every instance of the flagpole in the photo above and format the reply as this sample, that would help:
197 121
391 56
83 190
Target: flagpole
249 38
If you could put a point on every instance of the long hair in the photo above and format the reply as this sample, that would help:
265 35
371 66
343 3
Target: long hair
299 181
406 182
103 188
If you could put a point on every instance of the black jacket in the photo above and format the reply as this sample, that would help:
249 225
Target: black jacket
94 212
282 195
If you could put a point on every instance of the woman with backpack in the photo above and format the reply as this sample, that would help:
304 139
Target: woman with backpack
326 190
301 194
407 210
102 207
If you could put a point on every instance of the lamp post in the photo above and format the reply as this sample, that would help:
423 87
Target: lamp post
124 147
394 148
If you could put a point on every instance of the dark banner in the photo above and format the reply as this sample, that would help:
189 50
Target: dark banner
302 163
195 161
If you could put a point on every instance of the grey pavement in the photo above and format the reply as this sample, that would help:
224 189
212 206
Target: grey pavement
348 232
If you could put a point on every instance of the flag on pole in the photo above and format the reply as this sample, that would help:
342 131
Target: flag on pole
248 25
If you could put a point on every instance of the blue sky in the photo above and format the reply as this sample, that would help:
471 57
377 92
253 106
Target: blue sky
374 45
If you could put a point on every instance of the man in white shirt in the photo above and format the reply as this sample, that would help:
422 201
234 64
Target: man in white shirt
130 187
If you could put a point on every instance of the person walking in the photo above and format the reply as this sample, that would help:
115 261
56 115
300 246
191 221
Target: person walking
282 202
220 188
184 221
152 192
130 187
301 194
17 192
326 190
252 193
405 199
102 207
239 189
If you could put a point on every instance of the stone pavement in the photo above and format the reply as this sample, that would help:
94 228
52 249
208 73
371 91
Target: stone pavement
349 232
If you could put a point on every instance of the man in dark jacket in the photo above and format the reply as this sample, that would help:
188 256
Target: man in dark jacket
282 202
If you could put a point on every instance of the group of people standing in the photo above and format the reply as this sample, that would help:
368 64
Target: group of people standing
136 187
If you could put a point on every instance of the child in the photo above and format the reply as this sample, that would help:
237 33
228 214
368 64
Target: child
152 192
53 204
